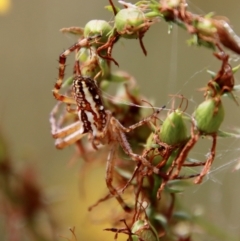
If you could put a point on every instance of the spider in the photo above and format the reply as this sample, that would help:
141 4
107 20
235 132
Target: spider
98 123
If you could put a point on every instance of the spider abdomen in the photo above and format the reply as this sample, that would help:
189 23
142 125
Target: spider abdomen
90 106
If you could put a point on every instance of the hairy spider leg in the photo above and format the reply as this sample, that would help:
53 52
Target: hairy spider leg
67 135
121 130
70 139
67 130
62 63
109 177
106 197
184 153
209 161
116 133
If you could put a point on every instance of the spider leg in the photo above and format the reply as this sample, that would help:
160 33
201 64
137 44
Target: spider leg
208 162
70 133
65 131
58 121
165 179
52 117
72 110
109 177
136 170
122 140
70 139
140 123
62 63
118 134
106 197
183 155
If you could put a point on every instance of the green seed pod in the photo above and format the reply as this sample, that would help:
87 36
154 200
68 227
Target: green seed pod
209 116
144 231
129 22
95 28
174 129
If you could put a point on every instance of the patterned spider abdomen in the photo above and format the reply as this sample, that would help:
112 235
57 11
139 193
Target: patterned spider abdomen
91 111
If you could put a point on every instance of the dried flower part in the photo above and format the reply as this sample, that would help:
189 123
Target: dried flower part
174 129
207 119
97 27
129 22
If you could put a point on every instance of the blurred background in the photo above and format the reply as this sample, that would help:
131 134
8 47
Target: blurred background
30 45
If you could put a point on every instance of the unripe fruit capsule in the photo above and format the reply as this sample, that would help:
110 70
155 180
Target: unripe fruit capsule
97 27
208 120
129 22
174 129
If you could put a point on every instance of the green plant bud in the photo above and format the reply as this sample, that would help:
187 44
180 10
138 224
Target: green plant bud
174 129
129 22
144 231
209 116
95 28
